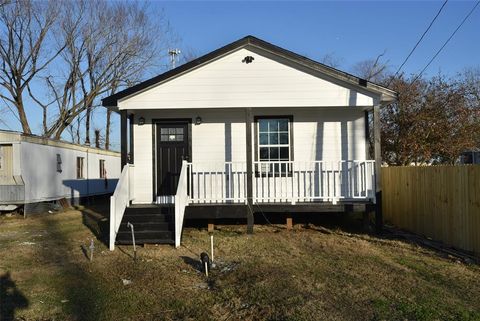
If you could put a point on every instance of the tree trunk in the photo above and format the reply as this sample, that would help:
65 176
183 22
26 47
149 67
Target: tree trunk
21 115
45 129
61 128
78 131
87 125
107 130
97 138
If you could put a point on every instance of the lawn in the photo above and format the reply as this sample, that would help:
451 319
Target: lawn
310 273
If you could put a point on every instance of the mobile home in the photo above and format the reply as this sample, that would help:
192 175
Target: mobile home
35 169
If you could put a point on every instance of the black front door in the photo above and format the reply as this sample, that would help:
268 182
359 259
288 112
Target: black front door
172 149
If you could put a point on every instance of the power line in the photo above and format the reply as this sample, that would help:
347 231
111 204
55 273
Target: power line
418 42
446 42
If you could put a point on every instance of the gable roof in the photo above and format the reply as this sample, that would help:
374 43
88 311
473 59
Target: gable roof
385 93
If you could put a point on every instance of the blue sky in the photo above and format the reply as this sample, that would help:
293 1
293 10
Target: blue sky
351 31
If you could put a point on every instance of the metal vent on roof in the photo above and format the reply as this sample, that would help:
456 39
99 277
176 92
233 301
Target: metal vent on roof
248 59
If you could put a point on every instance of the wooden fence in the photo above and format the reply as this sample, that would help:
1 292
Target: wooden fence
440 202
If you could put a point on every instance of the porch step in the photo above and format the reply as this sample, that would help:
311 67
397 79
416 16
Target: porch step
146 241
147 218
153 224
150 209
148 226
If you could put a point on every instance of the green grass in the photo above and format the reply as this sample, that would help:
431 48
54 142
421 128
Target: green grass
273 275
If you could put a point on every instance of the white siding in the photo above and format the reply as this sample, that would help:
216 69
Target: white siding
142 180
208 143
38 164
319 134
266 82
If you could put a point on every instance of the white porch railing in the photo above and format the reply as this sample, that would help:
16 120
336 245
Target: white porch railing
294 181
118 203
181 201
217 182
282 181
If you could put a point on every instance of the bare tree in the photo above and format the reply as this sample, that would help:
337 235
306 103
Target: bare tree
188 55
108 124
111 46
108 129
25 28
74 130
470 77
374 70
330 59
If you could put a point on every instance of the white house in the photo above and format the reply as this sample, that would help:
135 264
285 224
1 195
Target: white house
248 127
35 169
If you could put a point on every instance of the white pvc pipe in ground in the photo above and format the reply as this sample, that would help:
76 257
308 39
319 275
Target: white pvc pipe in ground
211 246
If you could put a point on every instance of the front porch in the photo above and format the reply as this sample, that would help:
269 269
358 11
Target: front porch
236 162
209 190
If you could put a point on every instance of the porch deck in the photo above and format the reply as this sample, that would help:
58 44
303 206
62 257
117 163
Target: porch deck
220 190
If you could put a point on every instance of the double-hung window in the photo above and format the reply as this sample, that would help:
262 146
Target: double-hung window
103 171
80 167
274 145
59 163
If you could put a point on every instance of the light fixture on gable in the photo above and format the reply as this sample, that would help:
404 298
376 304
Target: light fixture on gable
141 121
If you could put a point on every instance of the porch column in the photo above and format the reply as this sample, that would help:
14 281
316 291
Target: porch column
378 168
130 129
123 138
248 142
367 135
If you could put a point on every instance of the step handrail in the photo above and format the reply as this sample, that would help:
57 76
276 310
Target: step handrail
181 201
118 203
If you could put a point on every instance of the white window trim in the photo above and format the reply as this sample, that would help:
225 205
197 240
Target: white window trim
289 145
82 172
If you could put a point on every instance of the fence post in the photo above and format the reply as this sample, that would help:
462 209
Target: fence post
378 168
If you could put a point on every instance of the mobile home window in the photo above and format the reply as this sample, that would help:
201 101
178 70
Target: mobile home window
80 167
103 172
59 163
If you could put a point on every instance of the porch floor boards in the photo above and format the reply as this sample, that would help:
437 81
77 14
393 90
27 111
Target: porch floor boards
239 210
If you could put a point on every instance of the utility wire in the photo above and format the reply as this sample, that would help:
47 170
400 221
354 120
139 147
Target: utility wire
418 42
446 42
